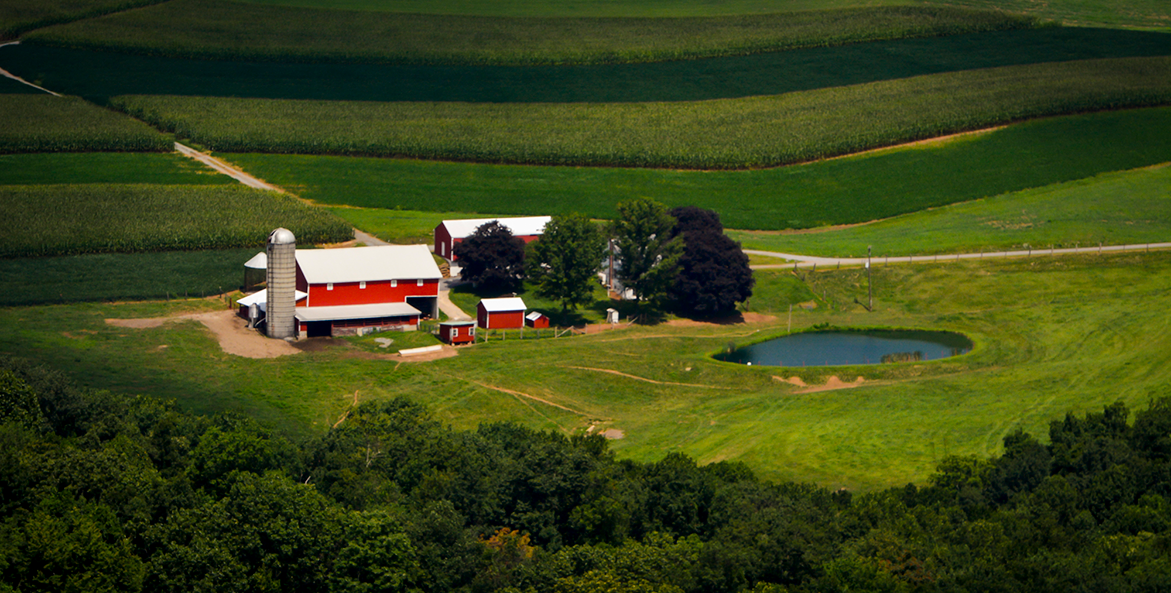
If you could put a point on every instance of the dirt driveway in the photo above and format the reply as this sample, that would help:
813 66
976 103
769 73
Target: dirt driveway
229 329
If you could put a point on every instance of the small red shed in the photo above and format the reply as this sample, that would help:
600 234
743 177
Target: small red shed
451 232
502 313
536 320
457 332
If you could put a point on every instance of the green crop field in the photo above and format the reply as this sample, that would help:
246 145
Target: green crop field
733 133
231 30
18 16
1054 335
103 218
106 167
121 276
44 123
840 191
1131 207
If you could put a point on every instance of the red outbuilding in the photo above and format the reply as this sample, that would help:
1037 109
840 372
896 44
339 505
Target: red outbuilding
536 320
502 313
356 290
457 332
451 232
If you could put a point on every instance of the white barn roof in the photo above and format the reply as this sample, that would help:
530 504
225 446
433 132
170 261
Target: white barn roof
503 304
527 225
258 261
261 298
357 264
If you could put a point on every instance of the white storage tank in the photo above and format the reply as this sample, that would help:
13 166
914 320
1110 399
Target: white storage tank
281 305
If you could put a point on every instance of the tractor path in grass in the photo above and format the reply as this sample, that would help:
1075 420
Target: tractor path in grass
809 261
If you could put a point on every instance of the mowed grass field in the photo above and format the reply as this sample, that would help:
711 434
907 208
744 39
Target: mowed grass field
1053 335
1129 207
841 191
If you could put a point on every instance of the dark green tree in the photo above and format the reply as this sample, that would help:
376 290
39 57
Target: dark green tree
491 257
714 275
564 262
648 255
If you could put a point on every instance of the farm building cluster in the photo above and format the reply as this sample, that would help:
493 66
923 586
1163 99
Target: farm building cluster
355 291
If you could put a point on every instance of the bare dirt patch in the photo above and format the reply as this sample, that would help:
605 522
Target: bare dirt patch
229 329
831 384
614 434
738 319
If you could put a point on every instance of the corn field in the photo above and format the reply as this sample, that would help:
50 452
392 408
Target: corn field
44 123
720 134
219 29
45 220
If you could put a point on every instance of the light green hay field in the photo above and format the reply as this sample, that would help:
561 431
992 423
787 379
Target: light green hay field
1053 336
1129 207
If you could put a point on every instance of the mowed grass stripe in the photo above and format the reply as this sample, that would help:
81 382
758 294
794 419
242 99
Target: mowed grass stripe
100 75
724 134
44 123
221 29
106 218
1129 207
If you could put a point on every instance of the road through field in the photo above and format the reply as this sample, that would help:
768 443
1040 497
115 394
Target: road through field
809 261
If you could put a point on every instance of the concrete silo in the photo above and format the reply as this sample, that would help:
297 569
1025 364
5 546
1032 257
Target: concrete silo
281 305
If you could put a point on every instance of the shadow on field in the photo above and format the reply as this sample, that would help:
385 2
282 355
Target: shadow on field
99 75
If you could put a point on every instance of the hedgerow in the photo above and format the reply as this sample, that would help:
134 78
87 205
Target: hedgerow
44 123
237 31
719 134
107 218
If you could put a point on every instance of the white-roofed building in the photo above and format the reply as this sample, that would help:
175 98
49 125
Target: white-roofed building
451 232
501 313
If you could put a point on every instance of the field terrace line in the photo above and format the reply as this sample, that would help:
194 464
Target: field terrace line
808 261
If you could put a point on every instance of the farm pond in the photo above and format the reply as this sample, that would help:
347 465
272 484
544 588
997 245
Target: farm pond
831 348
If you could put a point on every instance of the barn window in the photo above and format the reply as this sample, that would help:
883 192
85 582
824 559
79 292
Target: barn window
419 282
393 283
362 284
443 249
472 330
454 333
329 286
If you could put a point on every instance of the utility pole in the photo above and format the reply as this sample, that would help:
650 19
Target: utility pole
869 284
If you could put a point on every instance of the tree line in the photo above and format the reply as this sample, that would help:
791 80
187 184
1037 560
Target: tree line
106 492
678 259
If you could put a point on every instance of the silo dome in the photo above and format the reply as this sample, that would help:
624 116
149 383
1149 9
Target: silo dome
281 236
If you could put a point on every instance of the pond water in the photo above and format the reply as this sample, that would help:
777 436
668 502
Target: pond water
850 347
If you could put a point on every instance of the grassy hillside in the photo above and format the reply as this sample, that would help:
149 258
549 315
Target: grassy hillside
841 191
1128 207
231 30
1053 336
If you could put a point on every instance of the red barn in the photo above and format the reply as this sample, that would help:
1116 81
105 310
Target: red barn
450 232
457 332
536 320
352 291
504 313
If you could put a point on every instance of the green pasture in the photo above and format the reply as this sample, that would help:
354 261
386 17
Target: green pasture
841 191
722 134
19 16
222 29
121 276
106 167
44 123
1130 13
104 218
1130 207
1053 335
100 75
394 226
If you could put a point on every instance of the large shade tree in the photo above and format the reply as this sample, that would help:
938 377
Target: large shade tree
491 257
713 271
647 253
564 262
